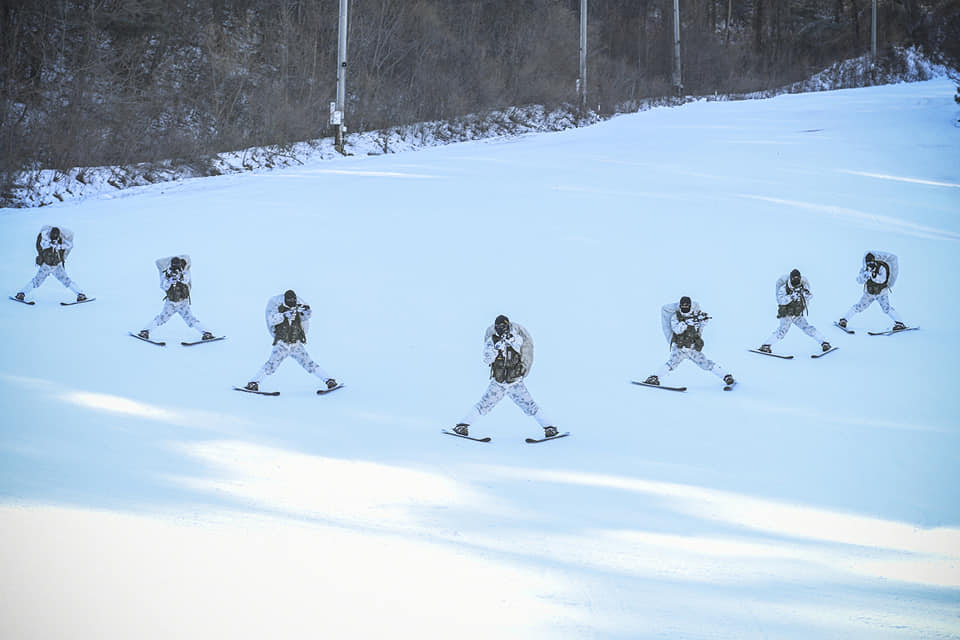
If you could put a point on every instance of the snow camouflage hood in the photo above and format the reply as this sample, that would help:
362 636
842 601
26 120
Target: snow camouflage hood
526 350
273 306
667 313
891 261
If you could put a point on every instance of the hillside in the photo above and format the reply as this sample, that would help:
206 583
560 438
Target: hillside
140 496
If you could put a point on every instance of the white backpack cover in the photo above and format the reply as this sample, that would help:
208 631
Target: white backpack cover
273 305
668 312
66 237
526 349
164 263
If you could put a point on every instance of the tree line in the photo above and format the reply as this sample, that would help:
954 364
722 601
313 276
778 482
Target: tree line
112 82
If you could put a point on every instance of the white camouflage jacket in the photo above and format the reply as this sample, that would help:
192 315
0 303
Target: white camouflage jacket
519 339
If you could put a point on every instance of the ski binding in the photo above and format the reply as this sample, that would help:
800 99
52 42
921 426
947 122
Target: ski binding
259 393
844 329
658 386
556 437
453 433
156 342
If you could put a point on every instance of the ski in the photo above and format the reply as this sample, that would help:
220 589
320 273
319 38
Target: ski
190 344
556 437
259 393
729 387
775 355
323 392
22 301
156 342
70 304
890 332
844 329
823 353
658 386
452 433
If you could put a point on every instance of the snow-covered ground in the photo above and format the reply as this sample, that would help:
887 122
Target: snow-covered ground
140 497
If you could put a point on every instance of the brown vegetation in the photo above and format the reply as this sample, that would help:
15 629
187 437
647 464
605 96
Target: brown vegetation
109 82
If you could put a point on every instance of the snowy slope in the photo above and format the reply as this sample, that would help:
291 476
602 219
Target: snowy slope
141 497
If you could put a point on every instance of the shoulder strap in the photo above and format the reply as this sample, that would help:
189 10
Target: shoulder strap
886 268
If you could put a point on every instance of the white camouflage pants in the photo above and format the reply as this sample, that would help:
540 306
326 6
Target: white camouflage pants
516 391
679 354
801 322
868 299
58 272
171 308
298 352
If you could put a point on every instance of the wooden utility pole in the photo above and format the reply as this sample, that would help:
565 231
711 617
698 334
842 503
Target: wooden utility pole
873 32
582 82
677 75
336 114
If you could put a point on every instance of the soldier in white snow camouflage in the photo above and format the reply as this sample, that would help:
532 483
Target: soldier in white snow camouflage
508 351
53 246
175 281
877 275
793 294
288 319
682 325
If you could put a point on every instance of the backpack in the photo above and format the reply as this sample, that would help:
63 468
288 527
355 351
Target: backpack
179 290
892 265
